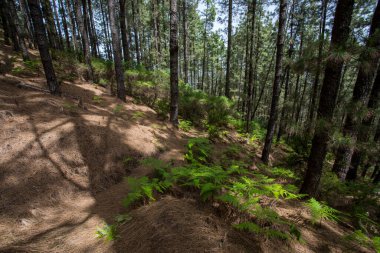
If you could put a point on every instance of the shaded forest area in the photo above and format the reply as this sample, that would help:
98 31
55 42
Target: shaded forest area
257 120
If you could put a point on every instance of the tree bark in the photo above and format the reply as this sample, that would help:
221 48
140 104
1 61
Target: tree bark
72 25
116 51
250 72
174 93
5 24
50 25
135 31
276 83
184 28
366 75
123 28
86 44
92 31
64 22
19 33
229 46
314 95
58 25
43 46
329 92
365 130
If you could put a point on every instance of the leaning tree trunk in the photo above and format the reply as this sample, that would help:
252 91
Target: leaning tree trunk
86 44
327 103
276 83
116 51
367 71
43 46
174 94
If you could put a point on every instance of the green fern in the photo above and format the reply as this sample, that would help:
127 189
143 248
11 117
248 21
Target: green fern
198 151
376 243
283 173
230 199
107 232
144 187
320 211
256 229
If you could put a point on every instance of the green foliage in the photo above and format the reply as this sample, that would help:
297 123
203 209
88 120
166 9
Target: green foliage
103 82
283 173
32 65
198 150
143 188
108 232
70 106
376 243
138 115
162 108
118 108
185 125
97 99
154 164
214 132
358 236
122 219
320 211
256 229
258 131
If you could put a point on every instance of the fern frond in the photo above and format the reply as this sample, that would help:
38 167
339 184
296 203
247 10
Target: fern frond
320 211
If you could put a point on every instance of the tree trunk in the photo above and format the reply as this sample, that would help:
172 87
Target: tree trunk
43 47
64 22
19 33
28 28
135 31
119 73
319 66
105 31
5 24
250 72
92 31
329 92
174 93
365 130
50 25
376 179
276 83
58 25
184 28
366 75
10 25
86 44
123 28
72 26
229 46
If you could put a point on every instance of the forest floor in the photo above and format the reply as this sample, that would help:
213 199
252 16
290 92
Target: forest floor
62 164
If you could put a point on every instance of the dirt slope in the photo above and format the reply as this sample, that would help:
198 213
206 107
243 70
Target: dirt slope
57 159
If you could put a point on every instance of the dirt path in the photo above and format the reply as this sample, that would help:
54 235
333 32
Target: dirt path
59 164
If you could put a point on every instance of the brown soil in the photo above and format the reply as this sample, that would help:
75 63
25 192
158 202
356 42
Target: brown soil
61 172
